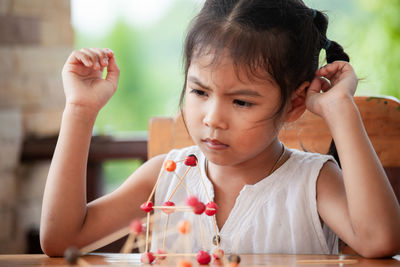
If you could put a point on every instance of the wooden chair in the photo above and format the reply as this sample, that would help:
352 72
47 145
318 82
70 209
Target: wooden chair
381 117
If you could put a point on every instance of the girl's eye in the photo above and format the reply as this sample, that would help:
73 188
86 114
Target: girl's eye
198 92
242 103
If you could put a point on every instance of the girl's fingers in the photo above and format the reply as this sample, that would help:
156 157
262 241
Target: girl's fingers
101 55
318 84
334 71
112 69
325 84
79 57
94 57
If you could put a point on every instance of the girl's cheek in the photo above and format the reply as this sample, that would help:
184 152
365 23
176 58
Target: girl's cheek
190 100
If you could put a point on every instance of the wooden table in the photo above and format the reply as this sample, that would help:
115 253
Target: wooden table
111 259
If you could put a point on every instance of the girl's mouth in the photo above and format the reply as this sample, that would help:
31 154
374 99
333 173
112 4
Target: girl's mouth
214 144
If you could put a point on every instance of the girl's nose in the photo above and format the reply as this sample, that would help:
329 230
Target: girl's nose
215 117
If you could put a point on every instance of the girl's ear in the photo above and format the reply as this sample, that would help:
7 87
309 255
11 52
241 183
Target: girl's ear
297 104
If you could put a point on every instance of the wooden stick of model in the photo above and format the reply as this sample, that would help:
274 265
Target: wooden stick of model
137 239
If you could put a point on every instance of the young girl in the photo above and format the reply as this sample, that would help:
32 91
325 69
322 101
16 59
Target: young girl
251 67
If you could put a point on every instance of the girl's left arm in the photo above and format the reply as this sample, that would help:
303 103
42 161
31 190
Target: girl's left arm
358 203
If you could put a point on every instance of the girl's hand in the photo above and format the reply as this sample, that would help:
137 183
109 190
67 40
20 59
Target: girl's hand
83 81
332 83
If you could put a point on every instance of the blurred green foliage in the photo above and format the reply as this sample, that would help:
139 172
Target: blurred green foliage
150 81
369 31
116 172
381 40
150 60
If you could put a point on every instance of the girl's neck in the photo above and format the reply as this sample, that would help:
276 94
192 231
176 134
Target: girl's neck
251 171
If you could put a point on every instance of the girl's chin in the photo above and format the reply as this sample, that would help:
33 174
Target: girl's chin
218 158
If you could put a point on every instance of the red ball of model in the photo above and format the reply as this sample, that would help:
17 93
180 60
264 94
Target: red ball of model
211 208
203 257
192 201
218 254
147 206
199 208
168 204
147 258
191 160
136 226
162 252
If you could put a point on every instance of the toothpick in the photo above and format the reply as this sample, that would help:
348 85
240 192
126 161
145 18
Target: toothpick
183 184
177 208
202 233
202 181
155 186
216 230
172 207
180 181
105 240
129 243
176 254
165 232
147 232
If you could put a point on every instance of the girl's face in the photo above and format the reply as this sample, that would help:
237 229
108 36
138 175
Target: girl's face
230 117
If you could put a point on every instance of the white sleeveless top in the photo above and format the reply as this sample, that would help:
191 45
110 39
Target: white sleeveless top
276 215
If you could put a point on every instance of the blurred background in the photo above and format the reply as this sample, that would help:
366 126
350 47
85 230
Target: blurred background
37 36
147 37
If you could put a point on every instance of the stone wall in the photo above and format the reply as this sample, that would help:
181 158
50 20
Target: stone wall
35 39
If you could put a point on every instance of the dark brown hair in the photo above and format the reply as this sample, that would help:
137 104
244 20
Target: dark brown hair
282 37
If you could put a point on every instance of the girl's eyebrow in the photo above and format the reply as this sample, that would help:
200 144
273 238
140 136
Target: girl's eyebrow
246 92
195 80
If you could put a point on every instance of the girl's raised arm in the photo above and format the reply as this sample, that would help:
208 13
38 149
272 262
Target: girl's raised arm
66 218
360 207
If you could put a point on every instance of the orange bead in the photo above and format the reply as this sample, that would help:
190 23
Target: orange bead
170 165
184 263
184 227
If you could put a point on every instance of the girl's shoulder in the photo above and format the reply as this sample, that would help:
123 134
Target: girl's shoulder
307 158
306 164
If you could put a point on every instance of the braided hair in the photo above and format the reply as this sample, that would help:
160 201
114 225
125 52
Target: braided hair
334 52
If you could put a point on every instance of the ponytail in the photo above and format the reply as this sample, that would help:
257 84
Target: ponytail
334 52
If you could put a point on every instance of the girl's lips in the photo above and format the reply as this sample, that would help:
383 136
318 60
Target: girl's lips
215 144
